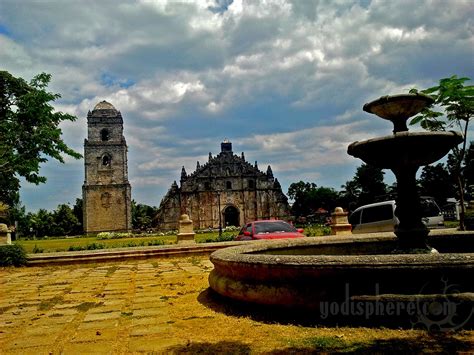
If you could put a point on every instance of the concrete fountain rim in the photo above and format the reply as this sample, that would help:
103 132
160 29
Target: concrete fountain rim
248 255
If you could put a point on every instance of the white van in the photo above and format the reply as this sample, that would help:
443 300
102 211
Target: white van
380 216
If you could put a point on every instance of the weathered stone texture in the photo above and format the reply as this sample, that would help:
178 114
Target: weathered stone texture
227 185
106 190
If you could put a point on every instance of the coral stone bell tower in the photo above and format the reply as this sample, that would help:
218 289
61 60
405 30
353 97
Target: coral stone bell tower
106 191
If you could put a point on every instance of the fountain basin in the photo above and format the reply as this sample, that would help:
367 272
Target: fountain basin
308 272
405 148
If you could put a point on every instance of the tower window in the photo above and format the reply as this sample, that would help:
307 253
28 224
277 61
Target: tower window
228 185
105 135
106 160
207 185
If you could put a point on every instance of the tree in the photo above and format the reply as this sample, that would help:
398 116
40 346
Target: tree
469 170
436 181
40 223
349 195
366 185
142 215
457 101
308 198
29 132
64 221
300 192
77 211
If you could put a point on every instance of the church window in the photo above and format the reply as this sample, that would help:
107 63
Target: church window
106 160
105 135
251 184
207 185
228 185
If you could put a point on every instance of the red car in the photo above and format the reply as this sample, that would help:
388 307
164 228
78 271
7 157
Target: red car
268 229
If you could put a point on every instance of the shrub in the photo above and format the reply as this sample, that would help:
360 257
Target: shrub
92 246
113 235
155 242
37 249
12 255
222 238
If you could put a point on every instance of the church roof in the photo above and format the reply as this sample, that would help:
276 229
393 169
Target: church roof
105 111
104 105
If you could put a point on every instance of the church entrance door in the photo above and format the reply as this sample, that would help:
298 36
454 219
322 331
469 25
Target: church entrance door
231 216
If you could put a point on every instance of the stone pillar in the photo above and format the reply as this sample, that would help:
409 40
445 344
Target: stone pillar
5 237
185 233
339 223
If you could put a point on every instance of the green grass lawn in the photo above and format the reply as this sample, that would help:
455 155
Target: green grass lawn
78 243
65 244
51 245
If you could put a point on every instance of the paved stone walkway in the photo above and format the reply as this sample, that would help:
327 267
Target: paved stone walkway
117 308
162 305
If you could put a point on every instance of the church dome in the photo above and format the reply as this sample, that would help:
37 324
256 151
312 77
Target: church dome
104 105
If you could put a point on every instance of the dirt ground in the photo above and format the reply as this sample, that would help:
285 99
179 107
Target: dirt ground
165 306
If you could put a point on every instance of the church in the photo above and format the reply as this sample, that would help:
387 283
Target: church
225 191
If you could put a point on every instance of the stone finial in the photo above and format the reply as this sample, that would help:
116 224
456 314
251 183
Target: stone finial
184 218
5 237
184 175
198 166
186 232
339 222
210 156
256 165
269 172
242 156
277 184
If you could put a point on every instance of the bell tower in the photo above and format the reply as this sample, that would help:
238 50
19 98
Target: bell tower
106 192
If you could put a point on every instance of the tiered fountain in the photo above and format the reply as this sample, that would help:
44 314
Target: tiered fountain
404 153
312 272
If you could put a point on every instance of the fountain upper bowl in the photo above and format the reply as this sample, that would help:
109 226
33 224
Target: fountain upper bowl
397 107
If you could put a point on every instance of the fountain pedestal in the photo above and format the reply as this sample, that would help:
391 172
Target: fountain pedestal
411 231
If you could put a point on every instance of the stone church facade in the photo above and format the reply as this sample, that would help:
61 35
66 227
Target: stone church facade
106 191
226 191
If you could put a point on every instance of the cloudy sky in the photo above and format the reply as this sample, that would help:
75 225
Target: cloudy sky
284 80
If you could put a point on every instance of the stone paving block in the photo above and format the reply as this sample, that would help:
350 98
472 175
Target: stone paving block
146 312
36 350
44 329
15 316
67 305
114 292
150 320
96 347
150 330
192 269
100 324
118 302
141 299
8 323
101 316
104 309
55 320
30 341
62 312
94 334
145 305
152 344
